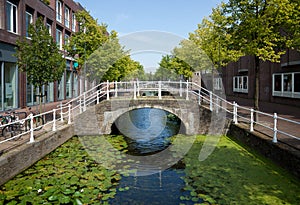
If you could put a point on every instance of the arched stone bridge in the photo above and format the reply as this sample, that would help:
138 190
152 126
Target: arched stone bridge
98 119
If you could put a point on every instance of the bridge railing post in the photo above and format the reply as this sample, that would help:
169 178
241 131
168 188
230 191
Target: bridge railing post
116 89
210 101
80 106
107 90
98 96
69 113
137 88
187 90
252 121
275 128
134 90
61 113
54 120
31 129
235 114
180 88
159 90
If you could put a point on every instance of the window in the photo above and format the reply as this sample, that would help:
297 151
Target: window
218 83
74 22
11 17
69 84
59 39
49 28
28 20
240 84
67 17
59 11
61 88
286 85
10 91
67 39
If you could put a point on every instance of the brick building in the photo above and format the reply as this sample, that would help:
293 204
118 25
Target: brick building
15 17
279 83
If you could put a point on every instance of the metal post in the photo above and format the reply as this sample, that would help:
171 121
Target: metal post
235 113
275 128
210 101
138 88
252 120
187 90
69 119
107 90
31 129
134 90
217 105
159 90
116 89
98 96
54 120
180 89
61 113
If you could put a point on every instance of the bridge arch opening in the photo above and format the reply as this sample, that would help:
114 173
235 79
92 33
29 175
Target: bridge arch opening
144 118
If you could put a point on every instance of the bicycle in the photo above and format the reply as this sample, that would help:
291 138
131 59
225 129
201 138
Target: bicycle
38 121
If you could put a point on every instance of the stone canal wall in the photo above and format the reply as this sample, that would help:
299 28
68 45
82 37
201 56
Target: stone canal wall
24 156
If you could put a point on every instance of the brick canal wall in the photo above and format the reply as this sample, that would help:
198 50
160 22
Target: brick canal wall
283 155
24 156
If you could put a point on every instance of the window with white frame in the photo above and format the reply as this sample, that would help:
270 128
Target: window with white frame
49 28
286 85
218 83
11 17
59 11
74 22
67 17
28 20
240 84
59 39
67 39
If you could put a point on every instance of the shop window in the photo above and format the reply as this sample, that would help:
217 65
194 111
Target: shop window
286 85
11 17
10 86
240 84
61 88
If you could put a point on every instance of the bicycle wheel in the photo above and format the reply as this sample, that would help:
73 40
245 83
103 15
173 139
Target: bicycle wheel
7 132
38 123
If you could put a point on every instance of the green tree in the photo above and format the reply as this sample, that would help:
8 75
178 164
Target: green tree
39 57
90 37
256 28
177 65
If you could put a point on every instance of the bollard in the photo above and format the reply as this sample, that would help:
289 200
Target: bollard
180 89
187 90
116 89
134 90
159 90
107 90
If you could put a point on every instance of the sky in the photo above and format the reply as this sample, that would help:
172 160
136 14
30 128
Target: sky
150 28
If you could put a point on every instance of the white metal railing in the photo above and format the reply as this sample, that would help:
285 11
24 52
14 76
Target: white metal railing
66 113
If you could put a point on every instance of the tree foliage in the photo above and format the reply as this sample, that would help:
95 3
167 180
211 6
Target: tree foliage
39 56
90 37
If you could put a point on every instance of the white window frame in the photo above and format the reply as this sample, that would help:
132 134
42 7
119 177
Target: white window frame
286 90
13 19
67 17
59 39
241 85
49 27
59 11
74 22
27 25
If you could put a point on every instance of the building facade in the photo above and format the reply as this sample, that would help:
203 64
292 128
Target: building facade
279 83
15 18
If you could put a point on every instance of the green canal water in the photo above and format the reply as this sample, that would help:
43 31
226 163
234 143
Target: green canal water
85 170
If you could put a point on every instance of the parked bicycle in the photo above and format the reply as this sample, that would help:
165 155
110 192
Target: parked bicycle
16 126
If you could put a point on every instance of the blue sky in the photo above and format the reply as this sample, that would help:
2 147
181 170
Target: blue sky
137 18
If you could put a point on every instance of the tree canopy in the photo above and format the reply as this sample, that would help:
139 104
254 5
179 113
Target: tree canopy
39 56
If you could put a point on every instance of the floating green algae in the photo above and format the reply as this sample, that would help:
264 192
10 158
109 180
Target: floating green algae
233 175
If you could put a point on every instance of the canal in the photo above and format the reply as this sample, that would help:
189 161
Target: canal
146 161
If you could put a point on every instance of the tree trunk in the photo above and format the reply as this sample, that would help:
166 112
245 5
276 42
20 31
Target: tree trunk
256 92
